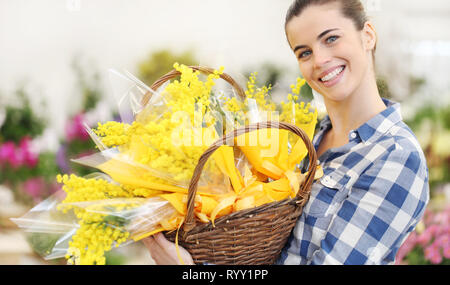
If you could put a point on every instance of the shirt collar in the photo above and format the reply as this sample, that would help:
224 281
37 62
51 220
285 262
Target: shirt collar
381 123
325 123
376 126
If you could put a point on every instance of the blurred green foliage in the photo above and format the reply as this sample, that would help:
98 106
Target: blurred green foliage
269 73
115 258
383 88
159 62
21 120
46 167
75 149
416 83
42 243
433 123
439 115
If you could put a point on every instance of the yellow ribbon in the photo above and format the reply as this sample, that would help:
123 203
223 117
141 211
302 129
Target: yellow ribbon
224 159
176 244
222 207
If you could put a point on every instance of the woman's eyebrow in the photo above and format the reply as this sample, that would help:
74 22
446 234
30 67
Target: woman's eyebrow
318 38
326 32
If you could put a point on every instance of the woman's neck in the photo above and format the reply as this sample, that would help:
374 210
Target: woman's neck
356 109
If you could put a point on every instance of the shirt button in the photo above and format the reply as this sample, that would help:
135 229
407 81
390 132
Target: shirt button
353 135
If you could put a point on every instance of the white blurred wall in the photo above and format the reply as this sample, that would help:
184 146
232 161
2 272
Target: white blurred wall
38 40
414 40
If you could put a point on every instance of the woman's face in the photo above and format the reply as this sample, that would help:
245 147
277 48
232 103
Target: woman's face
332 55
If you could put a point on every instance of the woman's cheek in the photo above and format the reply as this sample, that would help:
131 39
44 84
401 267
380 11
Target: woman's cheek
307 72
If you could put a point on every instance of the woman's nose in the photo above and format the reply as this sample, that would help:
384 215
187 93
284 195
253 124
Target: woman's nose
321 58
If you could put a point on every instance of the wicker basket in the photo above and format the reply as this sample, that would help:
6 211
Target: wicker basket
249 237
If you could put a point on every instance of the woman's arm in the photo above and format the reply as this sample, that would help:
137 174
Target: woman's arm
164 252
383 206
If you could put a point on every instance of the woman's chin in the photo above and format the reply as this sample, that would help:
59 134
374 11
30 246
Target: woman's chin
336 95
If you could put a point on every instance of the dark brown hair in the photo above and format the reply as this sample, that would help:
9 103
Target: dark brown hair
351 9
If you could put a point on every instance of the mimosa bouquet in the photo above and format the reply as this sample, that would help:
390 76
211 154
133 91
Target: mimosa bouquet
187 160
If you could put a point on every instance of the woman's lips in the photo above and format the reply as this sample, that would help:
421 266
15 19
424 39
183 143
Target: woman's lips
333 76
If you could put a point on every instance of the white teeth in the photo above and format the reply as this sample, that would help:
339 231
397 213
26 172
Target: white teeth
332 75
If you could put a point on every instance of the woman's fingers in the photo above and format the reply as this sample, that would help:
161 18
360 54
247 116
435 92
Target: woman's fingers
163 251
158 254
171 250
164 243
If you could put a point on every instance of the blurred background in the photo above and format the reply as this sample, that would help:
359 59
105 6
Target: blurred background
55 56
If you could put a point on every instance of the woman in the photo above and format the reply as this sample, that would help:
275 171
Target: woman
375 184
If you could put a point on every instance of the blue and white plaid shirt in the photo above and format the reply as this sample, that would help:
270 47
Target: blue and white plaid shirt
372 195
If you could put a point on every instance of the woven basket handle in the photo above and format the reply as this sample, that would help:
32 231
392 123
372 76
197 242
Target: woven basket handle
189 221
206 70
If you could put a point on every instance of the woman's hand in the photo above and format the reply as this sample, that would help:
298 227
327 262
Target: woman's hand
164 252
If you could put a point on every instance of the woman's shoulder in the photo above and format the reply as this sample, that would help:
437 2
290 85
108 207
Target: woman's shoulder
402 134
402 153
402 141
403 164
394 132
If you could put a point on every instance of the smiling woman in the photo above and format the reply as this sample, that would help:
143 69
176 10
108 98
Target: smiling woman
375 186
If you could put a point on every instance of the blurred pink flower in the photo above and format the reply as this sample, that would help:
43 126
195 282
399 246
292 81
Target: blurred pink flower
436 259
402 252
432 254
27 157
34 187
425 237
406 247
86 153
434 229
18 156
434 240
75 128
8 154
441 218
442 241
446 229
446 251
428 217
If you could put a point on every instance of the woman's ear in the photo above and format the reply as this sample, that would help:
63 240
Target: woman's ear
369 36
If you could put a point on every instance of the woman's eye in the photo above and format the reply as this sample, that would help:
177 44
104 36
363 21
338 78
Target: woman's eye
304 54
332 39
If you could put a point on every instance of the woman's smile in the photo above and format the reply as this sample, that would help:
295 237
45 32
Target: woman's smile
332 76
